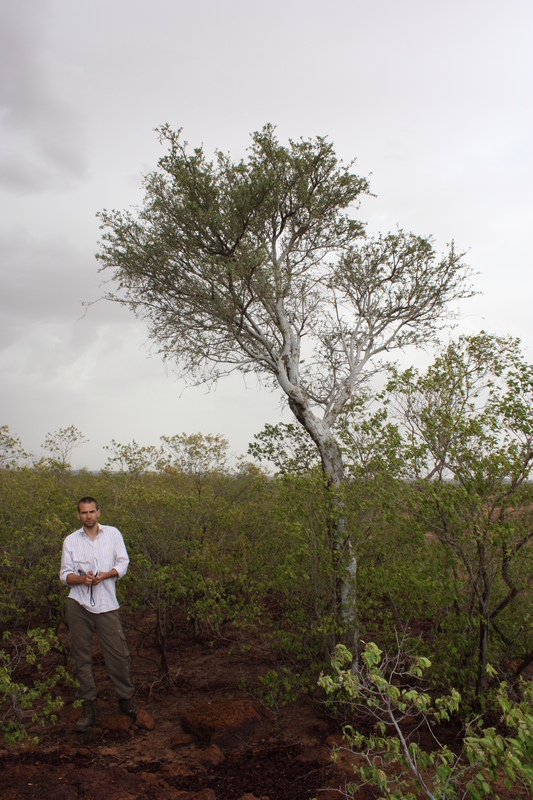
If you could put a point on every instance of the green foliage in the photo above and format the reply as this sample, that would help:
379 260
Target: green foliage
430 533
281 688
287 446
35 514
11 451
132 458
467 450
297 569
210 227
195 454
188 526
387 690
25 701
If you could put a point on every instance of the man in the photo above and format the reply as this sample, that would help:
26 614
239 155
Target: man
93 559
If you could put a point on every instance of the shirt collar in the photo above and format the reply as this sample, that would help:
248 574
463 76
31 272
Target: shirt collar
100 530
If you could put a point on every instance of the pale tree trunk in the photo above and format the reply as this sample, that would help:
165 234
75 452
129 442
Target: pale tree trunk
333 470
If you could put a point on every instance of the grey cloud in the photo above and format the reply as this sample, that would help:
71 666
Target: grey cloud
42 279
42 133
431 99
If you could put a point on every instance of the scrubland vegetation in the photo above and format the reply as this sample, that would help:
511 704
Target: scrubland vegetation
437 508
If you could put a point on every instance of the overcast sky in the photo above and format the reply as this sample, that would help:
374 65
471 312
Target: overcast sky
433 97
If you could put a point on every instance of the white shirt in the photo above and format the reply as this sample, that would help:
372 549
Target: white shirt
109 552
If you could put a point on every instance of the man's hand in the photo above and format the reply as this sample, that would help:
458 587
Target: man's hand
90 579
80 579
102 576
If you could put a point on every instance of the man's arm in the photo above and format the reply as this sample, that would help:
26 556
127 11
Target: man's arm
121 555
68 574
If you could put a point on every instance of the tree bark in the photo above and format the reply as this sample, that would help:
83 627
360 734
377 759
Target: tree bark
483 643
333 471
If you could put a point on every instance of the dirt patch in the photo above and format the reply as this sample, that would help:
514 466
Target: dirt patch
212 739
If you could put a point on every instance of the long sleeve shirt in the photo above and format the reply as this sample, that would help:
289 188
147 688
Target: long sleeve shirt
107 552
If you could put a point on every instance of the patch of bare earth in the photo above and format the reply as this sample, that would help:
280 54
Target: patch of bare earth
201 736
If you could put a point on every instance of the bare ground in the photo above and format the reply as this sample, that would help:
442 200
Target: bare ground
212 738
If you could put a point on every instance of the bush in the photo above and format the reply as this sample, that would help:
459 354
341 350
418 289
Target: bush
27 687
387 690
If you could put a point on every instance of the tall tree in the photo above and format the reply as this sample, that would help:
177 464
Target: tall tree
257 265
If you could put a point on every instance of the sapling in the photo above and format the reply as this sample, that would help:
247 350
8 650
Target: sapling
388 690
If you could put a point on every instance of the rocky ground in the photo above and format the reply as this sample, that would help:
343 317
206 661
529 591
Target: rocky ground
203 736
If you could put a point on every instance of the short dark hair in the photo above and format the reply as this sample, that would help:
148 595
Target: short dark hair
86 500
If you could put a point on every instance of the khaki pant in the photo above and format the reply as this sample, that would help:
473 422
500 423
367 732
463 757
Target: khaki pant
108 628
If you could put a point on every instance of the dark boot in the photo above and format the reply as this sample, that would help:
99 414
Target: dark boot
88 717
127 707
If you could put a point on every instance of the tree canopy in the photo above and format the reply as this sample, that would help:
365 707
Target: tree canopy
258 265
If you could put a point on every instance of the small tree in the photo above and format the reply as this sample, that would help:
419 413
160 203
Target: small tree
24 701
387 691
257 266
468 456
11 450
61 445
196 455
130 460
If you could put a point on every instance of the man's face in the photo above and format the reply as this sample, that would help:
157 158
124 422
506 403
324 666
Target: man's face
88 515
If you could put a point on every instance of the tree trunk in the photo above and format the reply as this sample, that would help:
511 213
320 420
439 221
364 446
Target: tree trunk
333 471
482 663
161 638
